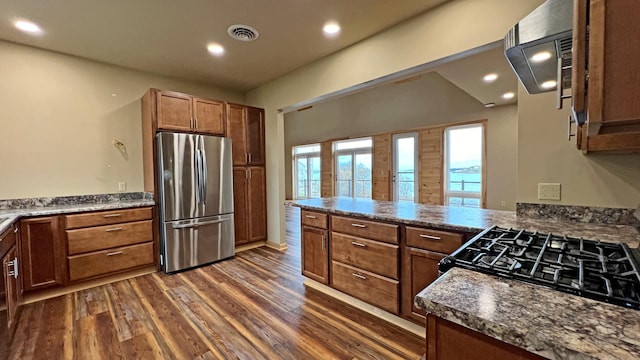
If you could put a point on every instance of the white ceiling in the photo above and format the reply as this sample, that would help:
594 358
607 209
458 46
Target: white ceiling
169 37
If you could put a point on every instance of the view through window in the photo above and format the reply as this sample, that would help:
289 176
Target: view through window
353 167
306 162
404 167
463 165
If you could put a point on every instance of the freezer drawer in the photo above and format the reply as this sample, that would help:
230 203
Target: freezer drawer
189 243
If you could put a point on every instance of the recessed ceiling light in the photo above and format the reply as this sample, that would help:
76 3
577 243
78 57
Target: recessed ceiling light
490 77
508 95
27 26
215 49
549 84
541 56
331 28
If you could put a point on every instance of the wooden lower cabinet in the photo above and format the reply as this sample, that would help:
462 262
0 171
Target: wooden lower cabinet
42 253
109 261
250 204
372 288
105 242
315 254
446 340
419 269
10 292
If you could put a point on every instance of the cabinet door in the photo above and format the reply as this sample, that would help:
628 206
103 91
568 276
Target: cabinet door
209 116
419 269
236 130
240 210
315 257
255 136
174 111
42 253
9 264
257 204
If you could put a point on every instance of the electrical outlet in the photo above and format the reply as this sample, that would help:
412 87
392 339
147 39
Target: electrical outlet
548 191
503 203
122 186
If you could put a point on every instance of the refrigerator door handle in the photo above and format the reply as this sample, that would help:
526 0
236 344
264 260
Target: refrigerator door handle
195 225
203 173
198 177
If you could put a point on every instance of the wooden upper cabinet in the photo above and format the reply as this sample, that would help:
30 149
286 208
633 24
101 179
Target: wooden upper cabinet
255 135
208 116
182 112
606 74
174 111
236 130
245 127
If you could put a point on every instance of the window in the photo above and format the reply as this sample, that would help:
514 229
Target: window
306 171
464 149
405 165
353 167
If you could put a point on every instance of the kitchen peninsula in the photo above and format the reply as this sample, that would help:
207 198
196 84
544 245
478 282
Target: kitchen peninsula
509 313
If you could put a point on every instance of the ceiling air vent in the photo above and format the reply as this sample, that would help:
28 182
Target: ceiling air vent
243 32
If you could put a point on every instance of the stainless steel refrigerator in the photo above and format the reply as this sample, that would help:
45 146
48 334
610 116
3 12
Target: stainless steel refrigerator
195 178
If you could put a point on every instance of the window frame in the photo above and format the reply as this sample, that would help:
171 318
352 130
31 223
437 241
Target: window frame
416 165
353 152
480 195
307 156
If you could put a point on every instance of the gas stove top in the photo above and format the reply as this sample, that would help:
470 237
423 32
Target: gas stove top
601 271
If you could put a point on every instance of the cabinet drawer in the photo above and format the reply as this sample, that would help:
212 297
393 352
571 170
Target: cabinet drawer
366 229
108 261
315 219
105 237
107 217
369 287
377 257
434 240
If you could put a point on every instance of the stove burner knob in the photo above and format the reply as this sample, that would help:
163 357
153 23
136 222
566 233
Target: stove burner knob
446 263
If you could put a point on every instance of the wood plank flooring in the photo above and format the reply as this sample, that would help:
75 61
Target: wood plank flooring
253 306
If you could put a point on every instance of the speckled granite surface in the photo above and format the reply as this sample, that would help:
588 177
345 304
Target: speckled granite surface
466 219
584 214
69 204
547 322
29 203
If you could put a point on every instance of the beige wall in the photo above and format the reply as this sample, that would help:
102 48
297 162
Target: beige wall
58 120
429 100
449 29
545 155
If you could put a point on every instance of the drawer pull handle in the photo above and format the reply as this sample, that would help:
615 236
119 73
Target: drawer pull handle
359 276
113 229
430 237
112 215
114 253
311 217
358 225
358 244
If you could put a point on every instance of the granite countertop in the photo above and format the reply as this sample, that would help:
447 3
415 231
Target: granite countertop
13 210
466 219
543 321
550 323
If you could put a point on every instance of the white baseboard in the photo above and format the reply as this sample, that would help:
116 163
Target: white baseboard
277 246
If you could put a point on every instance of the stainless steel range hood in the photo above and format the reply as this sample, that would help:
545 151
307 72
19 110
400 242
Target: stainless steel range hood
547 29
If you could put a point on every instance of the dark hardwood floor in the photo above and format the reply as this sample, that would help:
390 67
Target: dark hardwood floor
253 306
